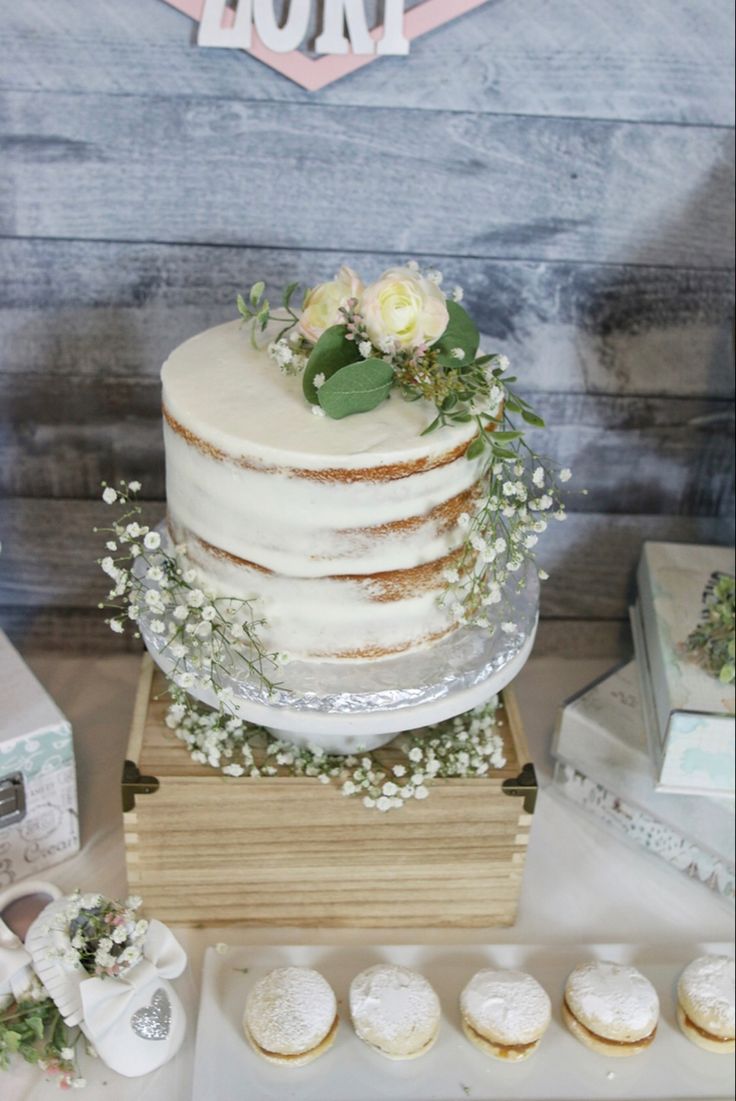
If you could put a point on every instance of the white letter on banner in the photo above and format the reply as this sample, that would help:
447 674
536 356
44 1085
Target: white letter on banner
394 40
333 40
211 31
291 35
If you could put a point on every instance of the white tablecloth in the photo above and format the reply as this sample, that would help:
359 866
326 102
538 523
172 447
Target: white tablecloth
581 885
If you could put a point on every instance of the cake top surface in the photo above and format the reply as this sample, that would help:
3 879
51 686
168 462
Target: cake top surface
218 387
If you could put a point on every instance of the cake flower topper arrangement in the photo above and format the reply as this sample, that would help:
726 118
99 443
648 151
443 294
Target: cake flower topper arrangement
356 345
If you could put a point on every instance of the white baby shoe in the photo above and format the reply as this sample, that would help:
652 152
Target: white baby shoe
16 972
133 1019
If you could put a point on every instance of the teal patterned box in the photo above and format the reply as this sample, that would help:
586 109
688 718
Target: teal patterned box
689 712
604 767
39 823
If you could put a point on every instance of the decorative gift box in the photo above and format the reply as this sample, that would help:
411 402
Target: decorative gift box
38 789
204 848
603 765
689 712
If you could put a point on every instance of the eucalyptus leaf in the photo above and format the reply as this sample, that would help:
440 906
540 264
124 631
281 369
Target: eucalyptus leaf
461 332
12 1039
356 388
331 353
532 418
289 294
506 437
36 1026
433 426
476 448
256 293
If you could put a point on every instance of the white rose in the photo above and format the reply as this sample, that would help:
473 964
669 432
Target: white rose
323 303
404 307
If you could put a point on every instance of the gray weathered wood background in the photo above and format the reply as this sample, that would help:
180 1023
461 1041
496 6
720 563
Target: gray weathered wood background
570 164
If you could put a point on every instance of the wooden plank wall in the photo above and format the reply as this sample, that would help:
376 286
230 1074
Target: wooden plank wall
570 164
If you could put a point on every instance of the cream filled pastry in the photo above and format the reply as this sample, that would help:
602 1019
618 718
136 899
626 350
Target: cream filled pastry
291 1016
705 1003
395 1011
611 1008
505 1013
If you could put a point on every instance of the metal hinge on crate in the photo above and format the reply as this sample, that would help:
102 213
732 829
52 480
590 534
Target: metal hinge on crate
525 784
136 784
12 799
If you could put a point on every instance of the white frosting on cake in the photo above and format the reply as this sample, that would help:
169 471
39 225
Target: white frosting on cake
342 529
240 400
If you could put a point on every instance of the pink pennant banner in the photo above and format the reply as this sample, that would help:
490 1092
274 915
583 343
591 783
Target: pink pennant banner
314 74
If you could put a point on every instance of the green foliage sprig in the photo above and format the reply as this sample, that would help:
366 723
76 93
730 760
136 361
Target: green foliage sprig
256 310
33 1029
712 643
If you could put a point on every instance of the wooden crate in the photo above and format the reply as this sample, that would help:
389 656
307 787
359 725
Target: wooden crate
205 849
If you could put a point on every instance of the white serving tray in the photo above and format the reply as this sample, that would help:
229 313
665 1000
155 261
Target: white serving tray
226 1068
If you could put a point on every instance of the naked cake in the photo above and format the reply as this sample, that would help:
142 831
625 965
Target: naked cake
342 528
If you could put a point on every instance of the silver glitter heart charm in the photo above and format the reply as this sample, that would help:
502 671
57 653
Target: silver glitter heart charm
153 1022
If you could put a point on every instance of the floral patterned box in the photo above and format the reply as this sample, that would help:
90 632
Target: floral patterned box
689 712
603 766
38 788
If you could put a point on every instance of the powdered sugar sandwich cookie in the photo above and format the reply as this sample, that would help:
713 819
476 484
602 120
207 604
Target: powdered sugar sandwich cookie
395 1011
705 1003
611 1008
291 1016
505 1014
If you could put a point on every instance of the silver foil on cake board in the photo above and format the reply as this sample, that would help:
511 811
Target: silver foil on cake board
463 660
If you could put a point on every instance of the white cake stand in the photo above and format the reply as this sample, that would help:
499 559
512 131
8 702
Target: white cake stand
345 708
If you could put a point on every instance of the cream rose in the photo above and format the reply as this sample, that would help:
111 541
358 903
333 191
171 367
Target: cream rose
322 304
404 307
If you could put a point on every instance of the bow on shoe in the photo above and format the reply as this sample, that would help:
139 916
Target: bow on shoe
108 1001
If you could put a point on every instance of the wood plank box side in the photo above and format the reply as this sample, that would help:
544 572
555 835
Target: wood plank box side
206 849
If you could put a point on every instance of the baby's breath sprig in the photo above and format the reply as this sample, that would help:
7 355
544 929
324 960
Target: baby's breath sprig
105 937
215 637
386 779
